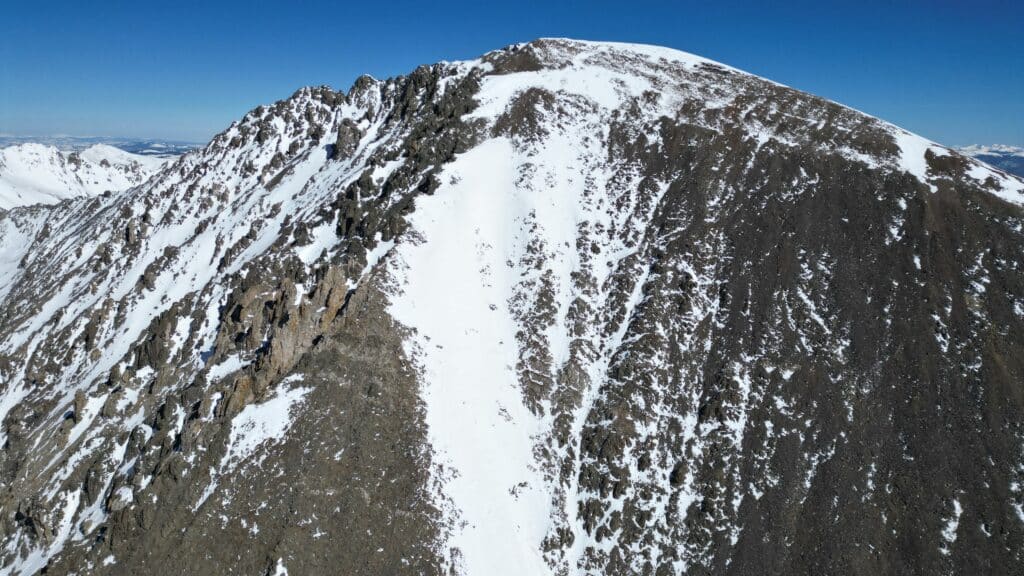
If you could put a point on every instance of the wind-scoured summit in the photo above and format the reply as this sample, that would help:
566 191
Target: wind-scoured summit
570 308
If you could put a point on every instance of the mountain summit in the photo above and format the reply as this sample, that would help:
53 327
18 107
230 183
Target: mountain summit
569 308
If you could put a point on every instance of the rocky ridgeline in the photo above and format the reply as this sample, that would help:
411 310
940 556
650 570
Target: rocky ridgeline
689 321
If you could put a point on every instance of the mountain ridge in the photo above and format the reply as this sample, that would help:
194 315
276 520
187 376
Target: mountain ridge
568 308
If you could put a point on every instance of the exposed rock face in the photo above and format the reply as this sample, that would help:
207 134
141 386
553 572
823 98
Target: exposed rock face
571 308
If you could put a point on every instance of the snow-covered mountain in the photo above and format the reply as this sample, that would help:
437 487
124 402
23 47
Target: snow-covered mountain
142 146
41 174
569 308
1008 158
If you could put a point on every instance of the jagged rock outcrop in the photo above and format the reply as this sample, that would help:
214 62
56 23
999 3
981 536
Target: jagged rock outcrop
570 308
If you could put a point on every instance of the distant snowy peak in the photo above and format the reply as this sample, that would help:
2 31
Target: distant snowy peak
99 153
40 174
1009 158
993 150
141 146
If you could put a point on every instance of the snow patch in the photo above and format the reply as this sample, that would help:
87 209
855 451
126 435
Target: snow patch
258 424
478 425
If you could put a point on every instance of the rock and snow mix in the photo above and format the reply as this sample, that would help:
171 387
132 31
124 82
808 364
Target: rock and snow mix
654 309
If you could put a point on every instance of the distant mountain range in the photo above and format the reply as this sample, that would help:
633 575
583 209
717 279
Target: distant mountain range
33 173
144 147
1009 158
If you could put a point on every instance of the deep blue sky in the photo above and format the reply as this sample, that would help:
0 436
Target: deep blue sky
950 70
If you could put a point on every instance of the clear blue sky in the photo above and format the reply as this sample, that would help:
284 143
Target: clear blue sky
950 70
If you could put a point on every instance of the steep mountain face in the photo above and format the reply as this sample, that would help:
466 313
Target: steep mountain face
40 174
1008 158
570 308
